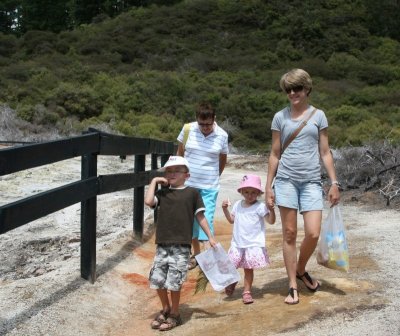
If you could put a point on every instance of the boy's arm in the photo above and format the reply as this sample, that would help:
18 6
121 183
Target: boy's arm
225 205
149 198
204 225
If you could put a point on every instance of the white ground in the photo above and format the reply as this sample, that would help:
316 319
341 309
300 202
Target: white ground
41 292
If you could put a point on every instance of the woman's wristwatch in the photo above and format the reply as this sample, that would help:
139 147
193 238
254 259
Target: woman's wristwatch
335 182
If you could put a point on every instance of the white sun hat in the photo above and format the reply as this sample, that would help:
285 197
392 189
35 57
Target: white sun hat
175 161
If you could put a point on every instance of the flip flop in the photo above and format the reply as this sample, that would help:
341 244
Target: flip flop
309 279
291 293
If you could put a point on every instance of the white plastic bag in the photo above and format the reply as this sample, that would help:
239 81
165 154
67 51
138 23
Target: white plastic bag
217 267
332 249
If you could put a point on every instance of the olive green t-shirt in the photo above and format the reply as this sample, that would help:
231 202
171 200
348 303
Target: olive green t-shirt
177 209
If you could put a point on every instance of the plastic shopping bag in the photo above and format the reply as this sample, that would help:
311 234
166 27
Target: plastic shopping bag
332 249
217 267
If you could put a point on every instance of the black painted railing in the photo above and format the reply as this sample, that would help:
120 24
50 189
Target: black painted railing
88 146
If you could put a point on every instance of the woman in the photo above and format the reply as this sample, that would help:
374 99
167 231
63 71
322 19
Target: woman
205 146
297 186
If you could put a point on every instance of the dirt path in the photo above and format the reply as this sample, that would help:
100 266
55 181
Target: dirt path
41 292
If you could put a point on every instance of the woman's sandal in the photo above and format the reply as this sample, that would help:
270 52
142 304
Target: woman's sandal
291 293
230 289
309 279
170 323
159 319
247 298
192 263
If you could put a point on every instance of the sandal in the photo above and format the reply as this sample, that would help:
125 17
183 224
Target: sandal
171 322
247 298
309 279
192 263
291 293
230 289
159 319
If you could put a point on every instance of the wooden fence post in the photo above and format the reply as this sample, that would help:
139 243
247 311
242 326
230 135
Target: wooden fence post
164 159
88 222
138 198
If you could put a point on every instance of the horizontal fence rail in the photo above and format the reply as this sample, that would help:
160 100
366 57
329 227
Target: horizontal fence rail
88 146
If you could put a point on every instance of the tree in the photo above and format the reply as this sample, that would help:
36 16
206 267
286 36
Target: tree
8 15
50 15
383 18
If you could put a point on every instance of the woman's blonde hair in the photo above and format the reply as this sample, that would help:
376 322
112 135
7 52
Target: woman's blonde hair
296 77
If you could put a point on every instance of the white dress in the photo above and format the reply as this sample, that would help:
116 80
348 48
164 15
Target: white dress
248 239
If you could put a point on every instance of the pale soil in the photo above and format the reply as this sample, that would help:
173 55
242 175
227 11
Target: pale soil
41 292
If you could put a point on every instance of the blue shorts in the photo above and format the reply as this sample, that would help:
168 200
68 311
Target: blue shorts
170 266
209 197
303 196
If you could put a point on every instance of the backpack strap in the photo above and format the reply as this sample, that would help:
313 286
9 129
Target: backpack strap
186 130
297 131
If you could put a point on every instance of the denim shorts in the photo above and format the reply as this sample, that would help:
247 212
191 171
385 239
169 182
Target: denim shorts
170 266
303 196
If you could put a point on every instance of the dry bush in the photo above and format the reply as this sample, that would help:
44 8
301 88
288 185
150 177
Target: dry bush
373 167
15 129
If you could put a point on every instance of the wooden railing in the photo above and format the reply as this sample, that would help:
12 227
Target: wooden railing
88 146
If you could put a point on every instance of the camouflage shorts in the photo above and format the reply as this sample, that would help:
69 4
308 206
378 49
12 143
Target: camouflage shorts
170 267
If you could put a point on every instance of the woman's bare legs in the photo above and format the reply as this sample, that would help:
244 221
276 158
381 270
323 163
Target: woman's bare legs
289 232
312 228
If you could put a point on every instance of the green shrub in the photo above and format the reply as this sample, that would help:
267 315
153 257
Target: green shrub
36 42
80 101
346 116
8 45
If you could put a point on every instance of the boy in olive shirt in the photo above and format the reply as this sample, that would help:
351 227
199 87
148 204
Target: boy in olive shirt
178 206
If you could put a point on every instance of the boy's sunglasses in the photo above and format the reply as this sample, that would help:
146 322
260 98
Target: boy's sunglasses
295 89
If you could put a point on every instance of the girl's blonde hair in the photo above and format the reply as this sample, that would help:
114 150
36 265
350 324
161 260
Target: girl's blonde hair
296 77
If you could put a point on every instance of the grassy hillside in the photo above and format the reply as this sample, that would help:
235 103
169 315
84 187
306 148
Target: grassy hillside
142 72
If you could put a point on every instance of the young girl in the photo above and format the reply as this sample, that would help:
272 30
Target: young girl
248 239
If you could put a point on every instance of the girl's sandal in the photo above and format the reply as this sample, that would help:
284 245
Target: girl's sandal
247 298
230 289
170 323
159 319
291 293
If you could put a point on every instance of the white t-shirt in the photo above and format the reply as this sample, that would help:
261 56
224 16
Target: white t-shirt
202 153
249 225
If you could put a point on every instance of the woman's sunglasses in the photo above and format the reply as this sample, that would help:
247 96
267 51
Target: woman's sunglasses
295 89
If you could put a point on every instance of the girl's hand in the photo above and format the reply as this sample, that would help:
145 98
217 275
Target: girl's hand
226 204
270 199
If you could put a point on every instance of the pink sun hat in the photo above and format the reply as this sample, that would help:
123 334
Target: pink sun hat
252 181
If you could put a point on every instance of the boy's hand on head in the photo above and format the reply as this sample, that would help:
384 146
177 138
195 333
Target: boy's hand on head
163 181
